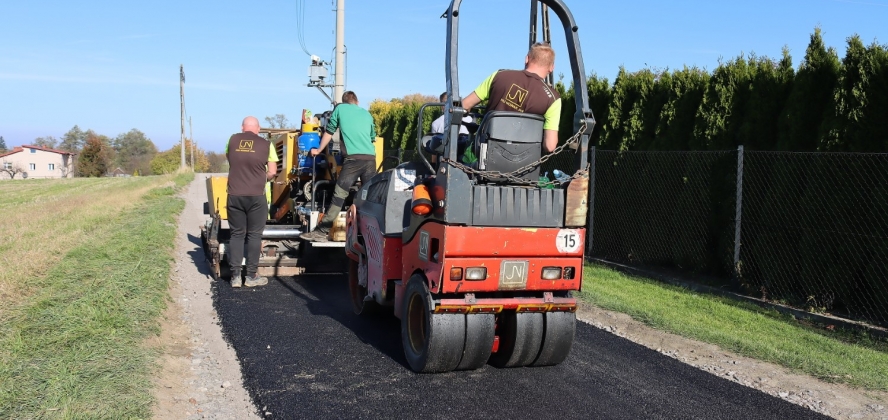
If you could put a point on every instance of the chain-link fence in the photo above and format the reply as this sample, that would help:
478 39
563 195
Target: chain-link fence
805 229
808 230
665 209
815 231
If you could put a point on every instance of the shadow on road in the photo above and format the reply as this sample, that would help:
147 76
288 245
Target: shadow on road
198 257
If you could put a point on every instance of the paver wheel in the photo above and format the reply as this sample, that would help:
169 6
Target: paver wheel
220 269
358 292
557 338
216 268
480 330
521 334
224 271
432 342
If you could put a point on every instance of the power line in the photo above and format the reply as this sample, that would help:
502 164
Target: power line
300 23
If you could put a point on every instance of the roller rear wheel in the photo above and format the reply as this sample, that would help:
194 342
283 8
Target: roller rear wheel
432 342
358 292
557 338
521 335
480 330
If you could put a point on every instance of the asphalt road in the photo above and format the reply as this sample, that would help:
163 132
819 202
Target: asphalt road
304 354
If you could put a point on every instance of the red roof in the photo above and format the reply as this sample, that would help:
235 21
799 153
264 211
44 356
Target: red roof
46 149
26 146
11 152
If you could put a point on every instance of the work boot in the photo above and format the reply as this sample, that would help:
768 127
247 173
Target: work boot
255 280
236 280
319 234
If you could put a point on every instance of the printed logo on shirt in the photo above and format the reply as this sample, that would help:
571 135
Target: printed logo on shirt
245 146
515 97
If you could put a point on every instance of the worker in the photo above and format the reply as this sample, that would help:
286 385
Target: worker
357 133
524 91
434 145
252 163
438 124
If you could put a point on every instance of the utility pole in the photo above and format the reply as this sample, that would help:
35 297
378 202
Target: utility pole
191 136
182 106
535 7
339 74
547 38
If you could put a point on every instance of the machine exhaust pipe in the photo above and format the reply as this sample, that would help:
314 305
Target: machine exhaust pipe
281 232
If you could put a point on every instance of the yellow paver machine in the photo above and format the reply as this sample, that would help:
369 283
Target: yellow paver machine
297 197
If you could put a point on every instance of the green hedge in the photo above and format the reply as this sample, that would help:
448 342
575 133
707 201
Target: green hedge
827 104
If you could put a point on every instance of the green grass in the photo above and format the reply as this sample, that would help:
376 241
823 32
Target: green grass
741 327
75 347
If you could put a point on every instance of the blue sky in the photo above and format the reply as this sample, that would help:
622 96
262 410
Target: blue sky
112 66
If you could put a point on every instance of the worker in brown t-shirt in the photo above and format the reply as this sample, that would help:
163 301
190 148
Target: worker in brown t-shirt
524 91
252 163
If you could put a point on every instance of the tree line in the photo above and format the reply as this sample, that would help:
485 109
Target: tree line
761 103
133 152
827 104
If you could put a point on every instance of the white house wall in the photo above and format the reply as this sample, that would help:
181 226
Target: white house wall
41 160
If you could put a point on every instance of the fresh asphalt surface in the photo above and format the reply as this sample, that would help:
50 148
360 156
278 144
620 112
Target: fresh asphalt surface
304 354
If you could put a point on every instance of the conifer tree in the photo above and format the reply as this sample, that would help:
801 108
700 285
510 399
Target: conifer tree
770 87
810 100
93 160
675 125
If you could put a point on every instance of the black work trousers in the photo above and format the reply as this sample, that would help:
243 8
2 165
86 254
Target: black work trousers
246 218
352 170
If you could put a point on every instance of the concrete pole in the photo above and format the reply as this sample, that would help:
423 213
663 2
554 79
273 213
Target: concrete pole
534 7
339 74
182 109
191 136
550 79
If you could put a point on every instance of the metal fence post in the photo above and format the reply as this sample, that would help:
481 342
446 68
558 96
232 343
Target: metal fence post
738 215
590 233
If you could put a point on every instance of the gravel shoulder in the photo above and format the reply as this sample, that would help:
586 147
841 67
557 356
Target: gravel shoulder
835 400
199 375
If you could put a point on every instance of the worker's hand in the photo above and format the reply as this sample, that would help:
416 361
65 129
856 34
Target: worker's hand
314 151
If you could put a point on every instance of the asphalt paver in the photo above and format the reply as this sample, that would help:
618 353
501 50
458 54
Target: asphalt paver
304 354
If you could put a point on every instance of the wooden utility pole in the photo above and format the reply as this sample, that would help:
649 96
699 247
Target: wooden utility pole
182 106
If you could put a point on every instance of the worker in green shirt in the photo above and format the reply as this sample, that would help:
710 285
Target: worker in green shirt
357 133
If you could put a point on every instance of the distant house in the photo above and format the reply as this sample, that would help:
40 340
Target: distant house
33 162
118 172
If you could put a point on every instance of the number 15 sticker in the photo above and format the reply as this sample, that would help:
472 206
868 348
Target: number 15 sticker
567 241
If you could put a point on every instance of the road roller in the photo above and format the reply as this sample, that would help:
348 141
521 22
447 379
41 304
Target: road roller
479 261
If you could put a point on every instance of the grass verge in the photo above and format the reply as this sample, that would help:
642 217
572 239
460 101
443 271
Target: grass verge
741 327
42 220
74 348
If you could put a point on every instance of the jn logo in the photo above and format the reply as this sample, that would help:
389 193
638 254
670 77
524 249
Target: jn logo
513 274
517 94
517 273
245 146
424 245
515 97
